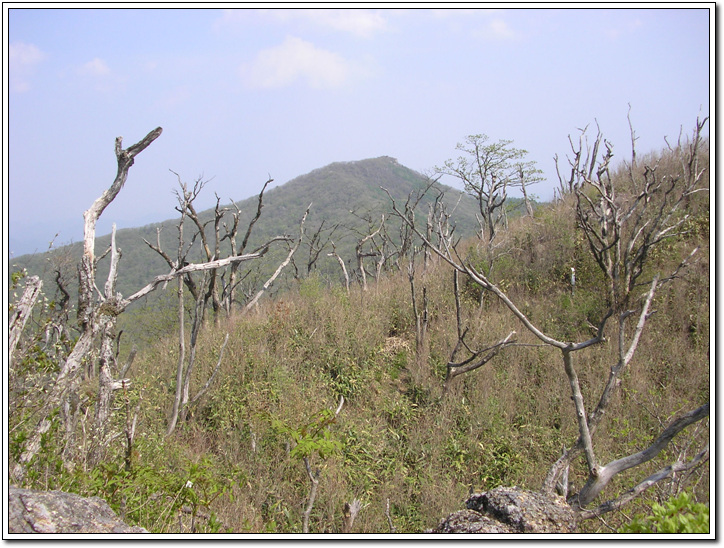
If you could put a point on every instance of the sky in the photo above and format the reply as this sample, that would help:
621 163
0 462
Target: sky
244 94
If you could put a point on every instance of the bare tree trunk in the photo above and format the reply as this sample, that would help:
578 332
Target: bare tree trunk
314 480
21 313
597 482
213 375
341 264
421 318
474 361
393 529
528 206
361 254
628 496
281 267
350 514
230 290
621 235
181 359
107 324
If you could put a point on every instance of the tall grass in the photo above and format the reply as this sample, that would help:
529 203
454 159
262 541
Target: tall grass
401 439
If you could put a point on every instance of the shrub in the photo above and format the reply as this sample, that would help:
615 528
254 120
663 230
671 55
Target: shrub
678 515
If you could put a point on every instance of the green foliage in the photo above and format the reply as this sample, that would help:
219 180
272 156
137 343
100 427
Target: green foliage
148 494
153 497
16 276
313 436
677 515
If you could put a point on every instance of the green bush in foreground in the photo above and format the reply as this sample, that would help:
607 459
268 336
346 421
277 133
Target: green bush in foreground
679 515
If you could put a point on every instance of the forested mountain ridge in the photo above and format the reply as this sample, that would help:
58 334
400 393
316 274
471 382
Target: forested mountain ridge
345 195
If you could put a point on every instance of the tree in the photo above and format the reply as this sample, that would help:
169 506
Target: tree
314 438
624 217
487 172
212 287
316 243
377 252
476 358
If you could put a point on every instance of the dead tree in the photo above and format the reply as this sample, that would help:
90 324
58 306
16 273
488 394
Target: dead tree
94 316
422 318
201 293
476 358
622 231
21 312
361 253
97 314
316 244
207 289
341 265
350 514
282 265
229 289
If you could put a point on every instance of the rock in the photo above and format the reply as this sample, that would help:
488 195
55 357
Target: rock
59 512
511 510
470 521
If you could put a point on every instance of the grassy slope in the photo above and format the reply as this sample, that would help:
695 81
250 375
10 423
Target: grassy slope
400 440
503 424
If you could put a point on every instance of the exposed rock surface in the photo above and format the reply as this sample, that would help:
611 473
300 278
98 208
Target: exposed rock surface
59 512
510 510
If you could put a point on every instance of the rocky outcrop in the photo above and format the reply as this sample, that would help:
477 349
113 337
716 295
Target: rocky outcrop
59 512
510 510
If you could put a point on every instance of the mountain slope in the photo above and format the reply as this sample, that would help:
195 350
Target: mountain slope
342 193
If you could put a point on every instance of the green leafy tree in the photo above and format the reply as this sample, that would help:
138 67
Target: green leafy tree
488 171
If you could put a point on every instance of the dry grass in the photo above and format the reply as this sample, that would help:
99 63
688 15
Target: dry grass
502 424
402 440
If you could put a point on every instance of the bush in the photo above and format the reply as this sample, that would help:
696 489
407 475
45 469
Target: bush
679 515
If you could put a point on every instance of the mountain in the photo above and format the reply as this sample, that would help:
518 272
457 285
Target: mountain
342 194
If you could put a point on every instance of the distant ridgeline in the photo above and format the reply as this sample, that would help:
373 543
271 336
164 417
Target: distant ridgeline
343 194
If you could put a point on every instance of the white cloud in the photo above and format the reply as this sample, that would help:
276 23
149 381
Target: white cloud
614 33
358 22
22 59
97 74
96 67
363 23
294 60
497 29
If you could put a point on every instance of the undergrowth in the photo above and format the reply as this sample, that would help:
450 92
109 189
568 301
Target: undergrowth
398 442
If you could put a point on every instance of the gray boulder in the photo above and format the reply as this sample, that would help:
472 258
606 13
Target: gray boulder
510 510
59 512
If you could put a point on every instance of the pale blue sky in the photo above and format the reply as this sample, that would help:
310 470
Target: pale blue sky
243 94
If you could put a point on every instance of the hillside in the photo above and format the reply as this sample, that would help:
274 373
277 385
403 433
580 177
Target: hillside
570 357
408 452
343 194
